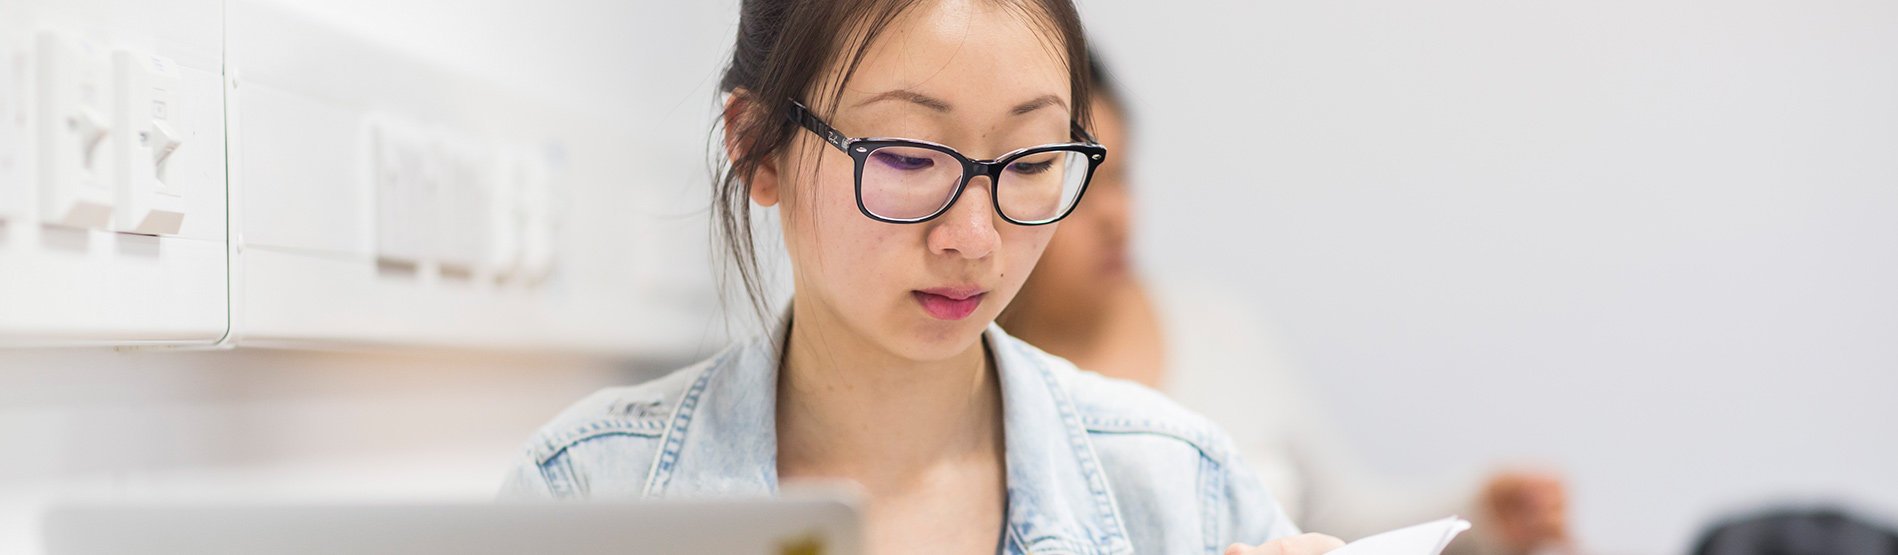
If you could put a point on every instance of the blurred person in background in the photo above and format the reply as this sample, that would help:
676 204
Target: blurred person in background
1084 303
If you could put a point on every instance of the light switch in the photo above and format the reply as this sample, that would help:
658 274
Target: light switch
537 222
12 129
404 174
462 198
149 193
506 218
76 117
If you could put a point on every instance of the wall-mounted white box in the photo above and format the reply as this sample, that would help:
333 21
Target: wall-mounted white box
404 179
464 190
72 273
146 136
537 218
13 66
76 116
456 206
382 199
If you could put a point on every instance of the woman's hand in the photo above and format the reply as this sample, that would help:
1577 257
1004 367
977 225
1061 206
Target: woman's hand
1302 544
1530 511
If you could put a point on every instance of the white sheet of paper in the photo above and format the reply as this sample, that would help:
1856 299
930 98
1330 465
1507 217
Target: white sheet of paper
1428 538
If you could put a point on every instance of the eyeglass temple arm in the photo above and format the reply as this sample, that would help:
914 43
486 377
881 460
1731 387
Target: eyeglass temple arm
803 117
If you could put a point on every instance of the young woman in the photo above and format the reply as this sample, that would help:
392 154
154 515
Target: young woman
919 153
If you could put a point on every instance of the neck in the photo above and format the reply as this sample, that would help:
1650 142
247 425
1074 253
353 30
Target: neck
849 408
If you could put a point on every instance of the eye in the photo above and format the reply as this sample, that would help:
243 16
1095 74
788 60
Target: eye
901 162
1031 168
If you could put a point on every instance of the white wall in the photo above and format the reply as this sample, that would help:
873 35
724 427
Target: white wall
1650 242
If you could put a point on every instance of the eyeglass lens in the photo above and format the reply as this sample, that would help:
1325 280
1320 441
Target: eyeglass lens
907 183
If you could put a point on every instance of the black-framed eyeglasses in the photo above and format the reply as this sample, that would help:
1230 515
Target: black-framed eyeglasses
906 181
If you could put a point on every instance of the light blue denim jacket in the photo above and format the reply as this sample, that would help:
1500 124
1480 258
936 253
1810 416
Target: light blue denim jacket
1096 466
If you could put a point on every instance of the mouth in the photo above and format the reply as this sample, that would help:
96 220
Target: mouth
950 303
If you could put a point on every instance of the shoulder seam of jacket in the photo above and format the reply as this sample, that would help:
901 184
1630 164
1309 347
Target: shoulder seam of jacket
554 446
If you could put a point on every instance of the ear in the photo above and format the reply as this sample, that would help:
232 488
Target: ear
763 184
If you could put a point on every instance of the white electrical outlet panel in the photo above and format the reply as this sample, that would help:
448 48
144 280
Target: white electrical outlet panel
112 174
229 172
406 179
13 131
468 209
76 112
381 199
149 192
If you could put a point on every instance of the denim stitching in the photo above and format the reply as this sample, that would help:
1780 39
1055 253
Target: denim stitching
1013 539
1052 545
551 479
1211 481
1096 482
1206 449
554 447
1189 434
559 478
675 435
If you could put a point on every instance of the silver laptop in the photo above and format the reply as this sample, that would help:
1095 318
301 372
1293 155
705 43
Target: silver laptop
787 526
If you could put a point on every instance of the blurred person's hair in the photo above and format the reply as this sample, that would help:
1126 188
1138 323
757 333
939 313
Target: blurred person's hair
783 51
1799 531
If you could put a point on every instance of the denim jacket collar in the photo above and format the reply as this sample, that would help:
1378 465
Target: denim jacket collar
723 441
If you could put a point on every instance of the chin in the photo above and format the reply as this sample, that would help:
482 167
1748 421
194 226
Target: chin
933 339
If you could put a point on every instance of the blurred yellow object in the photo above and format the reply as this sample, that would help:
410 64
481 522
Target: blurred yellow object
807 544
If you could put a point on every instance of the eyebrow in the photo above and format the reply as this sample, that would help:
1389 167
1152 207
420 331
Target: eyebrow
1036 104
924 100
939 105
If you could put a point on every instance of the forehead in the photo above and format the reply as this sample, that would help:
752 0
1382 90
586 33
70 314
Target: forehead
976 55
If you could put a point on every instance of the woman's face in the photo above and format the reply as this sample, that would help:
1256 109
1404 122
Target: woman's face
969 74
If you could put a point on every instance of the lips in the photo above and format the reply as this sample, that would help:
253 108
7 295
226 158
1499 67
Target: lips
950 303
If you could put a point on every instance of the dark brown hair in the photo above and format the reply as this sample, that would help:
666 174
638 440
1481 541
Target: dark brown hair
784 51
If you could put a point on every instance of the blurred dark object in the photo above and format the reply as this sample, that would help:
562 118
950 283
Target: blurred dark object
1812 532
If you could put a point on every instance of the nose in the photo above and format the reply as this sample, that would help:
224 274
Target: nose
968 228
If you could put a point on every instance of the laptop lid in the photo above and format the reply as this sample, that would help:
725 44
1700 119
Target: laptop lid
785 526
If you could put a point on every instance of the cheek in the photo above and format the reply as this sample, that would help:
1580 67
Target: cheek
817 193
829 238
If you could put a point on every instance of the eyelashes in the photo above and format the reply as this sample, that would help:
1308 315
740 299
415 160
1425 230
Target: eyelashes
1031 168
896 160
901 162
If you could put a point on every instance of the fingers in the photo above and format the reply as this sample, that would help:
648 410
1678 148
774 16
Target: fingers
1302 544
1313 544
1530 509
